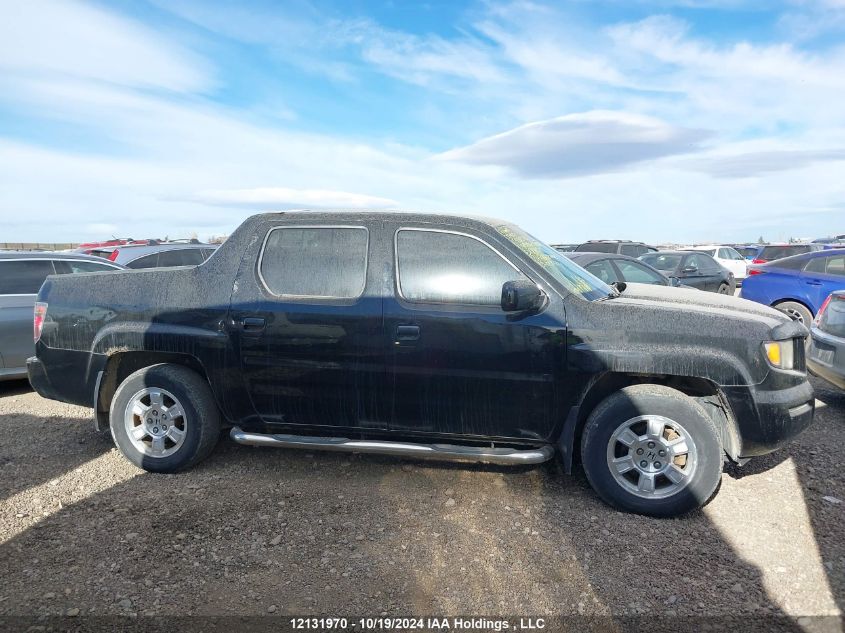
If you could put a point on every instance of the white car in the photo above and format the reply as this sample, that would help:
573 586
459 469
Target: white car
727 257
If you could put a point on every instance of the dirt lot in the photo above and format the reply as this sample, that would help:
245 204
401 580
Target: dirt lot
258 531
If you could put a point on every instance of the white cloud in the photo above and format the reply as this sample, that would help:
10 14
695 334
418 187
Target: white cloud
580 144
147 153
284 197
65 37
752 164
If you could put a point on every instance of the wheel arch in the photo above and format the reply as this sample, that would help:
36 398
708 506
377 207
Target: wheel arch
802 302
122 364
704 391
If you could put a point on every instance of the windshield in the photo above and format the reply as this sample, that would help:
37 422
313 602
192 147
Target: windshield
571 276
662 261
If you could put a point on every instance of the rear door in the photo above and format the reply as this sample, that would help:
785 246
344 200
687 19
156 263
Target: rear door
821 276
20 281
459 365
307 322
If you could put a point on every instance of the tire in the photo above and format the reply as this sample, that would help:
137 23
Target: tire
724 289
793 309
157 446
604 449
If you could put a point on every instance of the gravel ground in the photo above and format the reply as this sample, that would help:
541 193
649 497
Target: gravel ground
253 531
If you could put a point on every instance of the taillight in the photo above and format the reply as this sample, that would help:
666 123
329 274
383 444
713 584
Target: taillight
758 261
818 318
38 319
754 271
113 255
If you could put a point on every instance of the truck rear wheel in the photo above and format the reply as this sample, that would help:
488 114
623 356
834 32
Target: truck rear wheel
651 450
163 418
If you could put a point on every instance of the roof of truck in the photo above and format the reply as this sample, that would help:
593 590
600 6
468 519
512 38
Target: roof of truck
385 214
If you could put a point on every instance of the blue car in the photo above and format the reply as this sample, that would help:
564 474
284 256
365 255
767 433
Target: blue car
797 285
748 251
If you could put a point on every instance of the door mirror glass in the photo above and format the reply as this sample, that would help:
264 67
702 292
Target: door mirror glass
521 295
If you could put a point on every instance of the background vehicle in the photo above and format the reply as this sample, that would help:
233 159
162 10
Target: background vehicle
158 255
564 248
826 352
611 268
623 247
727 257
831 242
774 252
698 270
21 275
749 252
797 285
427 336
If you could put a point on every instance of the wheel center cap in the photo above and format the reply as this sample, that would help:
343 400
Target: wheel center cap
650 456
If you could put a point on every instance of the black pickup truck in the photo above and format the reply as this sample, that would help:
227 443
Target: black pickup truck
429 336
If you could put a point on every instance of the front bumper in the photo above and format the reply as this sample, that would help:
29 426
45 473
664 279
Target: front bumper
826 357
767 418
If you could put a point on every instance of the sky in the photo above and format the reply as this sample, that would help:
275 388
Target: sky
660 121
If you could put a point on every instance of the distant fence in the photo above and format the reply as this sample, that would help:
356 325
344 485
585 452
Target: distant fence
35 246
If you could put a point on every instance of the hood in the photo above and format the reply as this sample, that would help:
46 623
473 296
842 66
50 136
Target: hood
700 301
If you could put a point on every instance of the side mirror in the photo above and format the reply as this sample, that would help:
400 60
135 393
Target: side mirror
522 295
690 269
675 281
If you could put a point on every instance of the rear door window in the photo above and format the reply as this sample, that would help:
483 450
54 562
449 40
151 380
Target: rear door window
440 267
181 257
24 277
147 261
835 266
816 265
320 262
71 266
631 250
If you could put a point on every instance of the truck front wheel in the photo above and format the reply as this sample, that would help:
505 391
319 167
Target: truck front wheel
163 418
652 450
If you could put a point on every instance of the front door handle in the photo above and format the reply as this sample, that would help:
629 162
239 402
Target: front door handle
252 324
407 333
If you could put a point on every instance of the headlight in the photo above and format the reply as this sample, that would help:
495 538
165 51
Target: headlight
781 354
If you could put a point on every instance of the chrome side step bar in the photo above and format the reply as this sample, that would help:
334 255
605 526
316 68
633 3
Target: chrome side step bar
451 452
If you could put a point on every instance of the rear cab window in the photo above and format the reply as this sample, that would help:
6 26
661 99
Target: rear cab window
24 276
318 262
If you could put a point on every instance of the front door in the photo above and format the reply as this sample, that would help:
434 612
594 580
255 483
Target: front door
308 324
459 365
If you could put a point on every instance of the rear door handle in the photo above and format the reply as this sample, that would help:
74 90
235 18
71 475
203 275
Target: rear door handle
813 282
407 333
252 324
